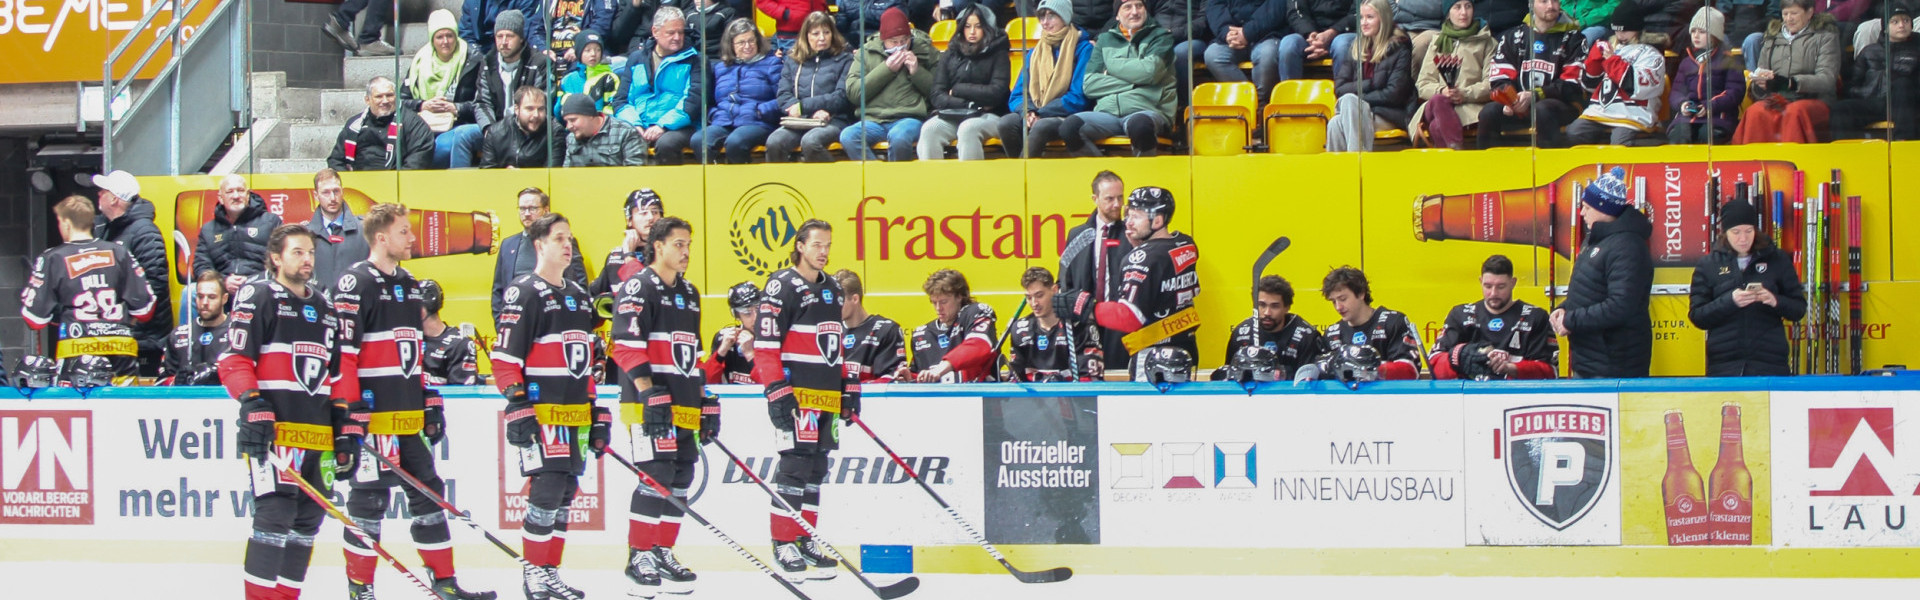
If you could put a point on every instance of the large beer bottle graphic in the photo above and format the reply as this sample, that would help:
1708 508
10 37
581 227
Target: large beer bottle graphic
1681 489
1730 486
1673 194
437 232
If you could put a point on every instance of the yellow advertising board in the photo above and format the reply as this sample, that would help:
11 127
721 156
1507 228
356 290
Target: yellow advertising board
49 41
1694 469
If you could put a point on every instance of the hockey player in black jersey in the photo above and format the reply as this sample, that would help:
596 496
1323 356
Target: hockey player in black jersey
1292 340
1388 332
957 345
193 351
1154 301
731 360
875 350
1046 348
634 253
1497 337
451 356
93 290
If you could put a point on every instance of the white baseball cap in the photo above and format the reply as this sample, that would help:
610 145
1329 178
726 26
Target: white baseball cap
120 183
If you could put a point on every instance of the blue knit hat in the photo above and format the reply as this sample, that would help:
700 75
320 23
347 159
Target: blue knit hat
1608 194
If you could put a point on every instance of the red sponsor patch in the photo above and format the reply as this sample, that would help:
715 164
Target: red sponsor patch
80 264
1184 257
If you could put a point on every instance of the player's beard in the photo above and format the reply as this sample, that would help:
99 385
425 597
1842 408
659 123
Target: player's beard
1496 305
1269 325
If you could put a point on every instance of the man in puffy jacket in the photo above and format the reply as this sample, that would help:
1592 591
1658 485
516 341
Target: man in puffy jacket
660 89
127 219
234 243
383 138
1131 84
530 140
1605 316
1884 69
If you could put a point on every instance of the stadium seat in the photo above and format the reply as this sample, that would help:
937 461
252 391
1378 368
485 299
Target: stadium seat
1296 118
1022 33
1221 118
940 33
765 21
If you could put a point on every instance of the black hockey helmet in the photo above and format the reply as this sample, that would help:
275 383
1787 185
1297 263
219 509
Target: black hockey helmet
1250 364
91 371
643 197
1352 363
35 372
1160 365
743 296
1153 200
432 296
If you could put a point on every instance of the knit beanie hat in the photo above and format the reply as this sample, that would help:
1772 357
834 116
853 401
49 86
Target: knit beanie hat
1711 21
578 104
1738 212
510 20
893 24
1608 194
1064 8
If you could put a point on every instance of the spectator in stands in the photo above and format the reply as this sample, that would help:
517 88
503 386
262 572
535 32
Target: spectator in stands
813 94
382 138
125 218
481 20
1628 79
860 19
507 69
746 96
892 75
1710 86
599 140
1740 294
1594 16
1453 79
234 243
566 19
1321 29
969 88
597 78
337 242
1243 30
1375 84
1050 85
661 88
1605 315
1131 85
340 26
1665 22
1542 58
1502 15
1093 16
517 254
789 18
1747 21
1798 78
708 24
1878 75
441 86
1421 20
1183 19
528 140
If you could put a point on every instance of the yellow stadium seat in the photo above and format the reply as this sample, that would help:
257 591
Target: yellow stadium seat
1022 33
1220 122
765 21
940 33
1296 118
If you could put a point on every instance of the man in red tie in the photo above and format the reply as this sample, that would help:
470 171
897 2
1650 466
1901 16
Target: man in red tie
1094 254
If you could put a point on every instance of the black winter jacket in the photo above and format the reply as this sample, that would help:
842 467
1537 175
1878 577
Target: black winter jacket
1607 312
1389 87
503 145
136 231
1746 340
818 84
971 76
1314 16
1257 19
365 144
493 101
466 88
236 246
1172 15
1092 16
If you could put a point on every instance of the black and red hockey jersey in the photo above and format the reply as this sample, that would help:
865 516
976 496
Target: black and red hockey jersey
451 359
1063 353
95 291
1160 279
193 353
966 344
1550 64
1523 331
1389 332
286 346
546 342
656 334
1296 343
875 350
382 347
733 367
798 336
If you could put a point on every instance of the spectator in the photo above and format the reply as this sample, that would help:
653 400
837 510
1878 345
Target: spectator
1706 99
337 241
1242 30
1185 20
746 96
340 26
1321 29
892 75
1498 337
1875 78
125 218
1292 340
1797 80
1421 20
789 20
860 19
1740 293
813 95
1594 16
1049 88
1131 85
708 23
194 348
662 89
92 291
566 20
1628 79
1502 15
1375 85
441 87
597 78
382 138
1542 58
969 88
1453 79
1747 22
517 255
482 20
1096 251
599 140
528 140
1093 16
234 243
1605 315
509 68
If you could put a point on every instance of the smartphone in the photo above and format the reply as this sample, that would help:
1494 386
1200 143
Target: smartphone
1753 287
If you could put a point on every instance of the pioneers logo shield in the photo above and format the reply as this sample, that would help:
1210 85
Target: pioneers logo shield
1557 459
407 342
827 336
578 347
310 365
765 220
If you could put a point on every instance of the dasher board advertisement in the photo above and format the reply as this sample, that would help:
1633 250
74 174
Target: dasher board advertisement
1696 468
1281 472
1542 469
1848 468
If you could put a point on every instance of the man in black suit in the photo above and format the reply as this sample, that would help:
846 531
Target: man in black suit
1095 252
516 253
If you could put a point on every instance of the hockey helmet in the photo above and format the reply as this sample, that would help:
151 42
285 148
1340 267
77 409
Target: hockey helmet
1352 363
432 296
35 372
1155 201
643 197
743 296
91 371
1252 364
1162 365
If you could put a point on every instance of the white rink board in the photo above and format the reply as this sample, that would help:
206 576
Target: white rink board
1836 480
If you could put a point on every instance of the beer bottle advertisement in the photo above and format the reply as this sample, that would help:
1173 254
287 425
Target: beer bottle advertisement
1694 470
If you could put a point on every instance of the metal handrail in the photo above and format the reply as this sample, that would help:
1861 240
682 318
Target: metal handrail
170 34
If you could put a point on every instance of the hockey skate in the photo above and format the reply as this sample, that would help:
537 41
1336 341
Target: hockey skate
643 577
824 567
674 577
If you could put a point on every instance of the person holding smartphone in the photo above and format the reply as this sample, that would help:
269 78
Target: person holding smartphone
1741 292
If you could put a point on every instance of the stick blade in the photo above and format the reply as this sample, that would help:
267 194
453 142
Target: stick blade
898 589
1056 574
1279 245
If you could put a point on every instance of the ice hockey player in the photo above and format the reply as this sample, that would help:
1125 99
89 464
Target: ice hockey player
642 208
1154 303
1389 332
1498 337
193 350
731 358
93 290
875 350
452 357
957 345
1292 340
1046 348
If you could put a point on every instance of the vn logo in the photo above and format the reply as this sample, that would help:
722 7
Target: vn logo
1184 465
1859 443
46 467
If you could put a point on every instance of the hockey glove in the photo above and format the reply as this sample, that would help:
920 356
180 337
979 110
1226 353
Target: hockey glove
436 419
1073 307
354 421
601 433
521 424
1470 361
781 405
255 433
656 420
346 454
850 402
709 418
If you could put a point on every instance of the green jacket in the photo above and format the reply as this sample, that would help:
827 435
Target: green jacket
1590 13
1126 76
891 94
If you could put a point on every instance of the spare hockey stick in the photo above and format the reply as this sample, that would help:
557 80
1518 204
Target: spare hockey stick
649 481
552 582
1047 576
902 588
1280 244
280 464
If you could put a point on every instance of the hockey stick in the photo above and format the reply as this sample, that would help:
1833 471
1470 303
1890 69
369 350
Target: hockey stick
649 481
1855 328
280 464
466 517
1280 244
902 588
1047 576
1001 359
